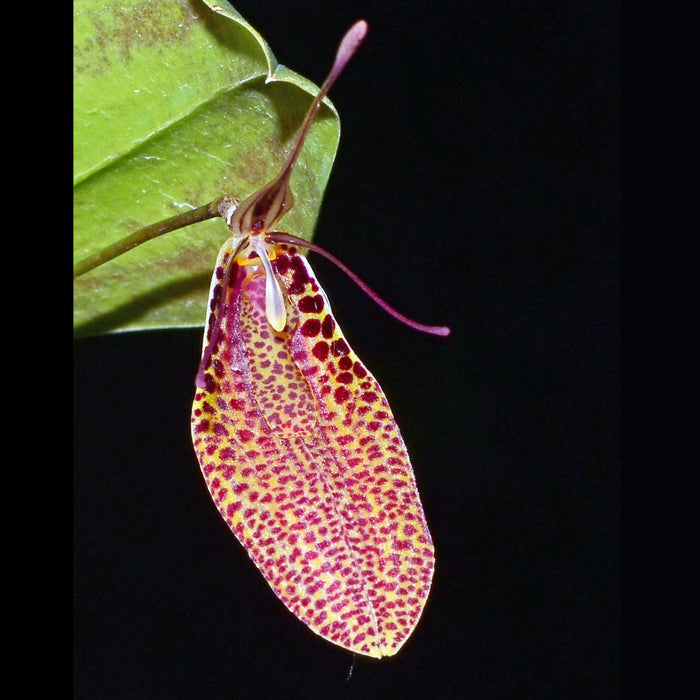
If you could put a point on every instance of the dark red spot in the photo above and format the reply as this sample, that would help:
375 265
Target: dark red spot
345 378
296 288
320 350
328 326
339 347
218 367
300 277
359 370
209 383
341 394
369 397
245 435
345 362
298 266
311 304
215 298
281 264
231 508
202 427
311 328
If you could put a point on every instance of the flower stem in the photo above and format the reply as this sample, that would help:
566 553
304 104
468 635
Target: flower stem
207 211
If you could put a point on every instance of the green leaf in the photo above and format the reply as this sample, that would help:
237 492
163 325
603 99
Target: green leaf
176 103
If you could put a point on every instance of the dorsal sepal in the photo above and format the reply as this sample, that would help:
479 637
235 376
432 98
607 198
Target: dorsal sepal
263 209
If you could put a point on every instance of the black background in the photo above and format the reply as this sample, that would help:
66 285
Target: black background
477 185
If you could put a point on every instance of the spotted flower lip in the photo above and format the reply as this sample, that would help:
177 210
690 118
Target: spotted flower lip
295 439
307 466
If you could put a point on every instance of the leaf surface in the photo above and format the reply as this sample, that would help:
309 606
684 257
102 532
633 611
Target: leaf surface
177 102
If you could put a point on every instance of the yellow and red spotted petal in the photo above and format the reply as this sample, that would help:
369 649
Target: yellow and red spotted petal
305 462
